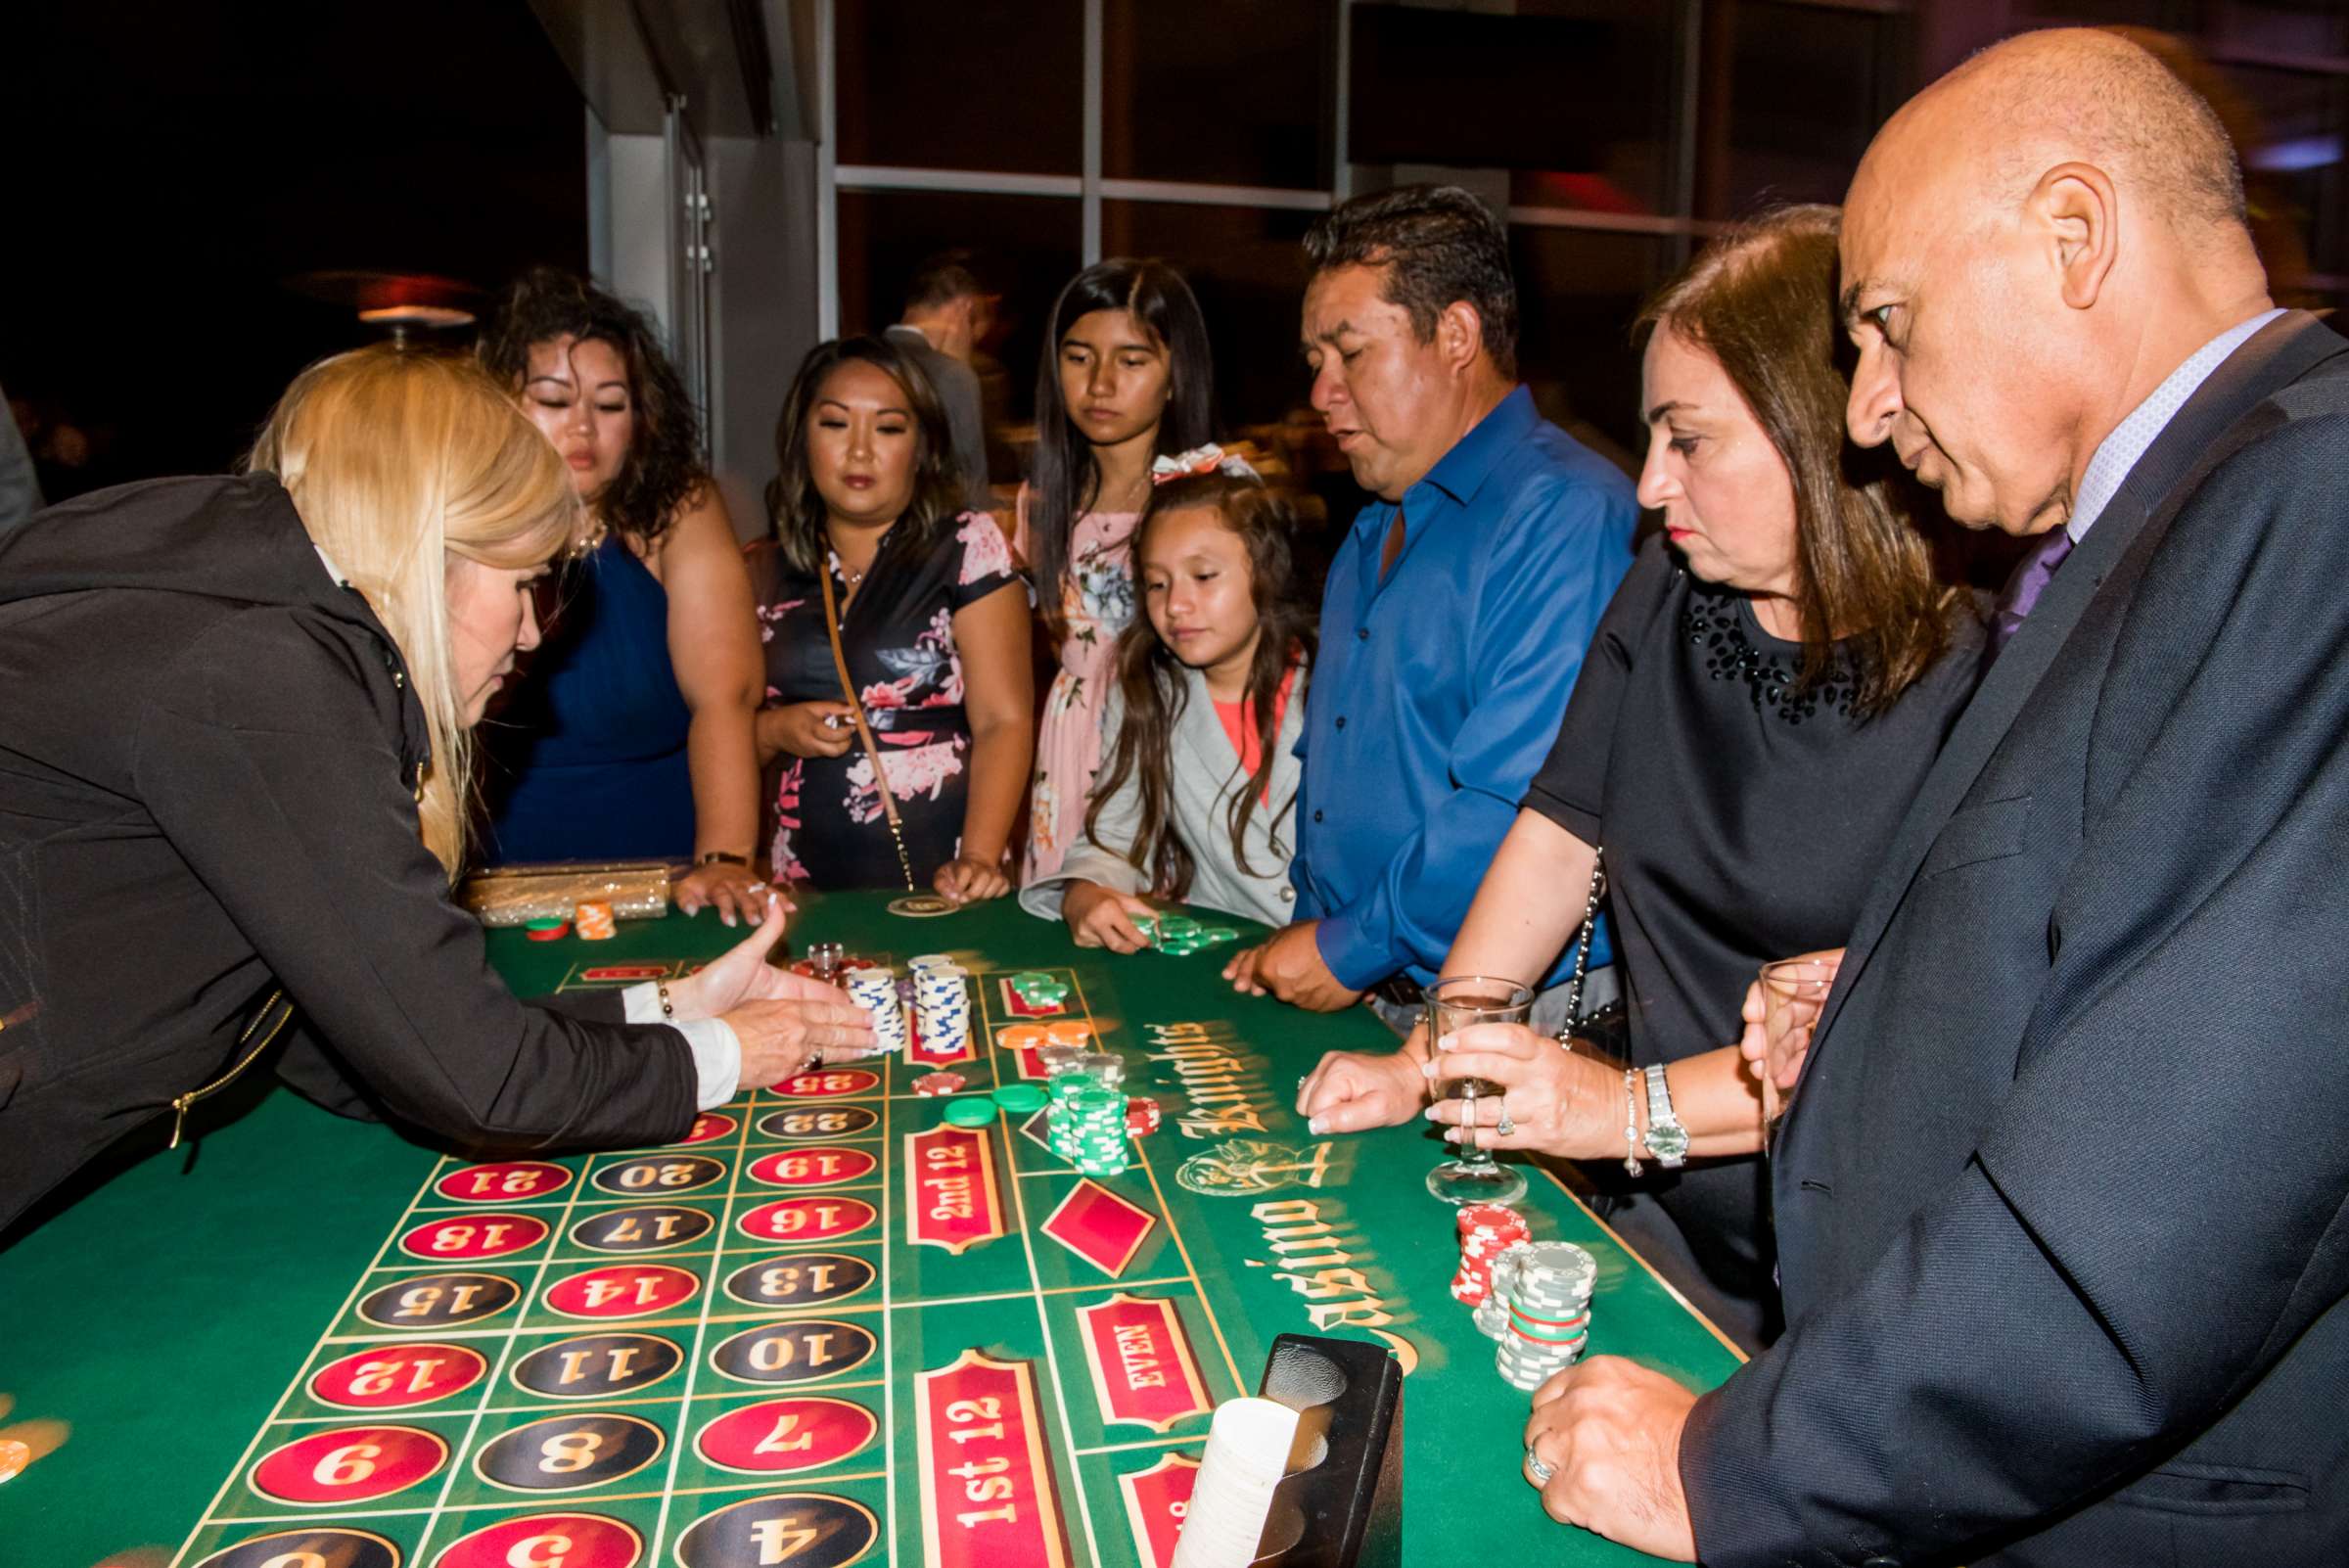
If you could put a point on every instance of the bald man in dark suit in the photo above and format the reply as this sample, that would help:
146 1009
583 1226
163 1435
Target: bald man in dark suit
2062 1195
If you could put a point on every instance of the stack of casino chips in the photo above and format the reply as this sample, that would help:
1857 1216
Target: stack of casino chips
1180 935
1038 988
1487 1230
875 990
1086 1124
941 1008
1538 1309
593 921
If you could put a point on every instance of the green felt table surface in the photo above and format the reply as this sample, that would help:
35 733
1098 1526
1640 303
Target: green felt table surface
159 1332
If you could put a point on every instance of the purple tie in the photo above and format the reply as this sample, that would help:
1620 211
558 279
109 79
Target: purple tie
2031 576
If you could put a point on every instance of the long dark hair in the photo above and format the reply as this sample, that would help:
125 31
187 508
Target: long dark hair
1152 682
1760 301
1065 481
794 507
664 465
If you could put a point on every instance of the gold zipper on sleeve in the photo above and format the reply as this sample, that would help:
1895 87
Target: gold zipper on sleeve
179 1106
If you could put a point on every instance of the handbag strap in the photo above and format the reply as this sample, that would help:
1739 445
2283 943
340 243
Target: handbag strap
1582 948
864 731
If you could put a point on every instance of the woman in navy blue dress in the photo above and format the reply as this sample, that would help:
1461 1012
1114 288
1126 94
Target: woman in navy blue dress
633 738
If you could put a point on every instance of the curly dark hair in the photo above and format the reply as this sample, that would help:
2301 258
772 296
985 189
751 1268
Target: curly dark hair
1151 679
795 509
664 468
1438 243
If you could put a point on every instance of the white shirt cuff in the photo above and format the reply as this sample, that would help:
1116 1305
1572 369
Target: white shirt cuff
717 1053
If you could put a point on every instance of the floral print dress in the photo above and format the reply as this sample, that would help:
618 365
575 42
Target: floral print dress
1099 603
824 814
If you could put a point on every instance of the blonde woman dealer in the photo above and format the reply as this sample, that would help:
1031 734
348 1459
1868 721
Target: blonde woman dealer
235 721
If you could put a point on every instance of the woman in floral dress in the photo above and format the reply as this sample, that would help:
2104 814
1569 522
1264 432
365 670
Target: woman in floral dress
933 623
1127 378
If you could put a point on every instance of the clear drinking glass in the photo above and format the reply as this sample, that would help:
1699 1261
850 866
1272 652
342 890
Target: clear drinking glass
1793 990
1453 1002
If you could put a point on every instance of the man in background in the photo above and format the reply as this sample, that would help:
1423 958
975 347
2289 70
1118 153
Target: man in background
945 313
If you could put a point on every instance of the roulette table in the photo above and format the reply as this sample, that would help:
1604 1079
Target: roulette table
830 1326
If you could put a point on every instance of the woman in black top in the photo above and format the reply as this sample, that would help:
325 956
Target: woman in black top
933 625
236 719
1761 702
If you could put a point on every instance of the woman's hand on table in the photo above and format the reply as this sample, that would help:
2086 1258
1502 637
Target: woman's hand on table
966 879
1559 1103
806 730
1103 917
736 892
1351 1091
780 1038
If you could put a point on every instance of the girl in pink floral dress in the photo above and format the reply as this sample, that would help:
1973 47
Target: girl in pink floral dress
1126 378
933 625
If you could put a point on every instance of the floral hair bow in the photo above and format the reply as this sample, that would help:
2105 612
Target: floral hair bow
1208 459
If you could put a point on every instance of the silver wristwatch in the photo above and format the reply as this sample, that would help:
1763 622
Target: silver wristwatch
1665 1138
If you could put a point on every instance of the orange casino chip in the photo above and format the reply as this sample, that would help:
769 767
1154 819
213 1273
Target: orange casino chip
593 921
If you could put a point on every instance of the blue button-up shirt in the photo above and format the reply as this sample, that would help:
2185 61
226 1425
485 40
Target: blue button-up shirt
1439 692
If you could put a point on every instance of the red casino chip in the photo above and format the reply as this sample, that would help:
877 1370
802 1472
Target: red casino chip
937 1084
813 1168
503 1182
348 1465
473 1237
777 1436
567 1540
806 1218
623 1290
398 1377
1142 1116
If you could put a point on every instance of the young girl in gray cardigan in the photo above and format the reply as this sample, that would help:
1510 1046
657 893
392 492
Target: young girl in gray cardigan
1198 785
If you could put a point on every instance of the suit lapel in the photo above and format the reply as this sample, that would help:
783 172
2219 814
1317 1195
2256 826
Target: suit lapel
2278 354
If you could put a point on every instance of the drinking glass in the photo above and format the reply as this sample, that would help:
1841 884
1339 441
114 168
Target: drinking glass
1793 990
1453 1002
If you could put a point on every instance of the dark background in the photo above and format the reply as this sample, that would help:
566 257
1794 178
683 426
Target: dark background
172 166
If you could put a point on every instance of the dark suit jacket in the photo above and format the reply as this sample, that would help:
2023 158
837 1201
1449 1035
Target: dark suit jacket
2061 1199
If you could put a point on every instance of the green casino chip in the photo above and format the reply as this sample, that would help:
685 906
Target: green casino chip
1022 1097
971 1109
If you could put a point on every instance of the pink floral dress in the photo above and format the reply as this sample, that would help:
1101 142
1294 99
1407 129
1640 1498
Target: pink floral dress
824 814
1098 602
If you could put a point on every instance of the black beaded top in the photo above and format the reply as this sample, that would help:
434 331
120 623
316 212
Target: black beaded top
1715 622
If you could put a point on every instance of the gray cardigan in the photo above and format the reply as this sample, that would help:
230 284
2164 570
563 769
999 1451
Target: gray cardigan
1207 774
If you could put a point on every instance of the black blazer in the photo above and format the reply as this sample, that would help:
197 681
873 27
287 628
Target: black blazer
2060 1198
208 755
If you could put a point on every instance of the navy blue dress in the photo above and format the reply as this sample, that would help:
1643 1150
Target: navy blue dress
588 759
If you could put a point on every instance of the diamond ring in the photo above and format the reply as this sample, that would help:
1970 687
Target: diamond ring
1505 1126
1539 1471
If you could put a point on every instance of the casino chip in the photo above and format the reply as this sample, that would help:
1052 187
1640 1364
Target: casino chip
1539 1310
1142 1117
554 929
1021 1098
937 1084
1086 1125
593 922
1485 1231
972 1110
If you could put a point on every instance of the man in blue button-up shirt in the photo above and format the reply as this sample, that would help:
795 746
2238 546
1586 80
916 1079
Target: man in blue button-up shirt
1458 606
